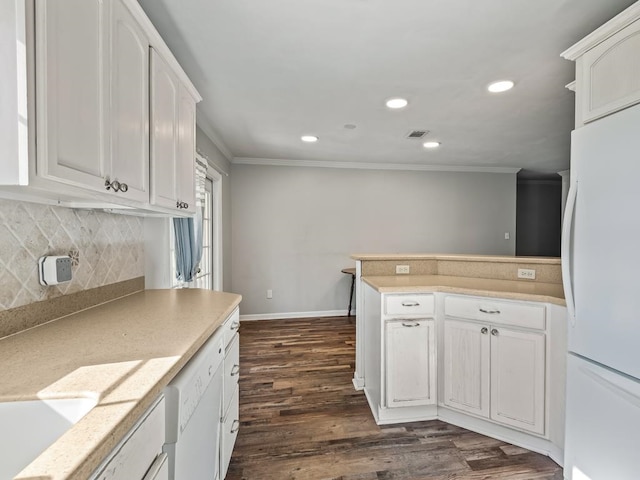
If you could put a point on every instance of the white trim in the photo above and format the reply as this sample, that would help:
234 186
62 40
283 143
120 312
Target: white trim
293 315
216 228
610 28
370 166
215 138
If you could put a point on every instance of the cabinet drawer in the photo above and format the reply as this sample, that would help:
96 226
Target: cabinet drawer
518 314
231 327
231 371
407 304
230 427
132 458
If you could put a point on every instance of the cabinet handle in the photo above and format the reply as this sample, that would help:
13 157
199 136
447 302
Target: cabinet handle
490 312
410 324
484 330
235 370
235 325
494 332
178 205
124 187
410 304
235 426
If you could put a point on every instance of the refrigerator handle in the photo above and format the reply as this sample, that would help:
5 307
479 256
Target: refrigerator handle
566 252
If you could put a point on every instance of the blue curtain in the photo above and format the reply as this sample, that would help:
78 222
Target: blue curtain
188 245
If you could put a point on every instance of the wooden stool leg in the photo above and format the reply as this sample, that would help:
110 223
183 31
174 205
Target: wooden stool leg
353 283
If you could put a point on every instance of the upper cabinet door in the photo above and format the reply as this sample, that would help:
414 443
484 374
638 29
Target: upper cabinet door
165 92
130 104
187 151
72 98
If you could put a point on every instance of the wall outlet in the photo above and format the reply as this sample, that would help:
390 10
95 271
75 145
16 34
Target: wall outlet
526 273
402 269
269 294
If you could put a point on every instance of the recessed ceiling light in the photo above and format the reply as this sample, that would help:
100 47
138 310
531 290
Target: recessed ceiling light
397 103
431 144
500 86
309 138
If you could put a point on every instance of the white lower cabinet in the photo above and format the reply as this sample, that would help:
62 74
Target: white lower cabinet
139 455
495 372
410 362
230 414
466 367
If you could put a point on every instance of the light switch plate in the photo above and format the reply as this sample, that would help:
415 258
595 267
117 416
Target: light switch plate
529 274
402 269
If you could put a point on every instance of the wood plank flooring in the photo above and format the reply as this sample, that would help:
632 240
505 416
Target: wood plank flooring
301 418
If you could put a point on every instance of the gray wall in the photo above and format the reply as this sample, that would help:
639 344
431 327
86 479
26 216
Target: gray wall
207 147
294 228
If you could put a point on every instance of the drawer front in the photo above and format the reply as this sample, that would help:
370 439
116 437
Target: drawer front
526 315
407 304
231 327
231 371
132 458
230 427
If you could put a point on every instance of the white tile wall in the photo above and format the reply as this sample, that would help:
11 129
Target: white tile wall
105 248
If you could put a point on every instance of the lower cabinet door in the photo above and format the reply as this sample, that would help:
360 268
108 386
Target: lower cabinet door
410 373
466 366
230 427
518 378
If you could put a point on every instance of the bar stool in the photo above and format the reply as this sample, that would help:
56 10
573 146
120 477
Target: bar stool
352 272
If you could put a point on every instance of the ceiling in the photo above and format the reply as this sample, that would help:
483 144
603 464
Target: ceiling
271 71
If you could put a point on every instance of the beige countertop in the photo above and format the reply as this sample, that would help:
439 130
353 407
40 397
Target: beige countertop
454 257
509 289
123 352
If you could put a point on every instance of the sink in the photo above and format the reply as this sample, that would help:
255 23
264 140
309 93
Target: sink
29 427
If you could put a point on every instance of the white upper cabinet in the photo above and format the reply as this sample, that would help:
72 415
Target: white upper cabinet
173 147
608 67
91 87
72 91
130 104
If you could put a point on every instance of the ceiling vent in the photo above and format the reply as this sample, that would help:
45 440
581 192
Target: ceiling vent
417 133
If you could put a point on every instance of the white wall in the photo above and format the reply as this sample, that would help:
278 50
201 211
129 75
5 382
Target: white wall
294 228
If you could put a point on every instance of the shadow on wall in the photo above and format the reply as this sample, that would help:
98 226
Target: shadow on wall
539 216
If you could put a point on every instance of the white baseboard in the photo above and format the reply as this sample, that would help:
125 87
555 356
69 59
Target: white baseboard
295 315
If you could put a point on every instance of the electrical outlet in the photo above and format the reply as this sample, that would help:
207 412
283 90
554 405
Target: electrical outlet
269 294
529 274
402 269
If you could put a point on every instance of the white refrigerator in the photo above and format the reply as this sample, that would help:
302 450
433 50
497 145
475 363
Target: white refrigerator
601 274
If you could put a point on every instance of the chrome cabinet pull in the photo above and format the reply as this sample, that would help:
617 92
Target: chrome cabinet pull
494 332
484 330
490 312
235 370
124 187
235 325
416 324
116 186
235 426
410 304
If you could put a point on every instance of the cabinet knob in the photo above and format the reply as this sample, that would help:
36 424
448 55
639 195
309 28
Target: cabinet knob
124 187
494 332
177 204
484 330
235 370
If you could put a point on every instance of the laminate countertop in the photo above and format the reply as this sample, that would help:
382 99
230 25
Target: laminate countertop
509 289
123 353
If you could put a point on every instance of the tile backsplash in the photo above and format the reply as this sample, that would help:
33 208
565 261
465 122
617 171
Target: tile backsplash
105 248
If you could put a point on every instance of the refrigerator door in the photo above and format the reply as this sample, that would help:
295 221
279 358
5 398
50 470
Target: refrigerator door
603 414
606 242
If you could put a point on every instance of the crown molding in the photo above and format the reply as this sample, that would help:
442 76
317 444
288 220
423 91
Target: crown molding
211 132
613 26
371 166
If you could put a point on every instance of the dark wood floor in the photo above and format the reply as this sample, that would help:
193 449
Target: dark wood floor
302 419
